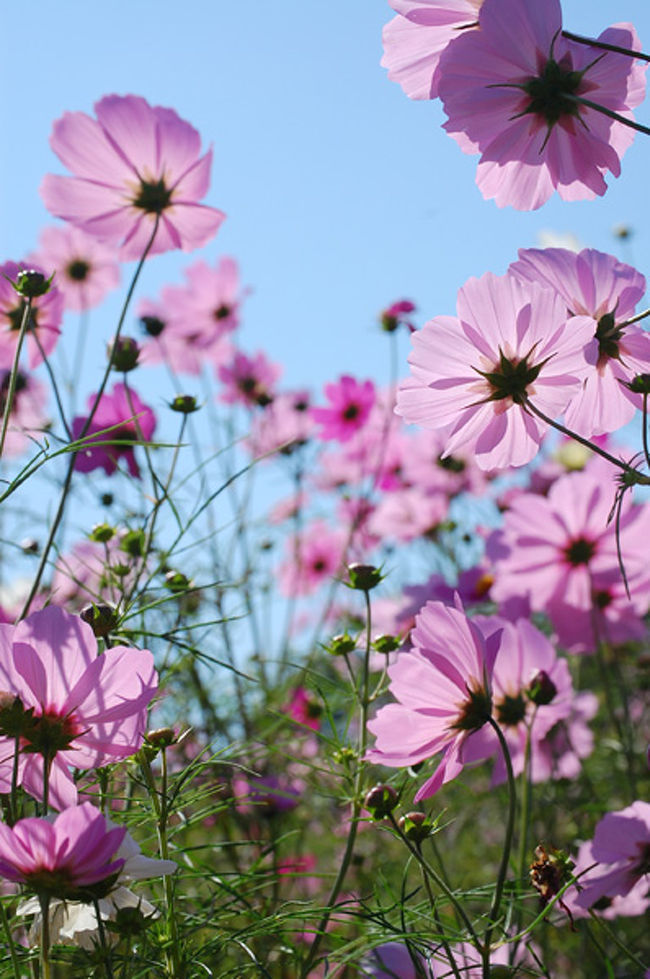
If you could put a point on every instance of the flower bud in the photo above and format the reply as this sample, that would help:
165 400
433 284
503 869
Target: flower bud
32 284
124 354
341 645
385 644
640 384
541 689
152 325
380 801
176 581
128 922
14 719
133 543
184 404
102 533
102 619
415 826
161 737
364 577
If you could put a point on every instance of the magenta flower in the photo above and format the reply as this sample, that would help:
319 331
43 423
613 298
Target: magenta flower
621 848
311 559
131 166
597 285
515 91
72 858
46 316
396 314
551 548
415 39
473 374
443 689
85 270
248 380
392 959
88 710
121 417
304 709
350 406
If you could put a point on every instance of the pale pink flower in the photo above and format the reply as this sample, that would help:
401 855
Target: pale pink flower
586 869
443 696
406 514
551 548
93 572
65 858
85 270
92 708
46 315
121 417
283 426
350 405
28 418
512 92
132 165
473 374
597 285
415 39
248 380
560 752
621 849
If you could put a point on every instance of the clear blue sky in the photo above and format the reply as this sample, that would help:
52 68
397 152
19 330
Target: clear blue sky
341 194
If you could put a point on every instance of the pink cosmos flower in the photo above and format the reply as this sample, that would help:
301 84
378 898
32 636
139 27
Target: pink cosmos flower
415 39
129 421
283 426
550 548
407 514
473 375
311 559
85 270
395 314
597 285
621 848
350 406
132 165
28 418
559 754
92 708
47 313
248 380
443 691
70 858
304 709
392 959
515 92
93 572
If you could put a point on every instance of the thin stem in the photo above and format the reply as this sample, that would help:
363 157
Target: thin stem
604 46
13 377
173 959
616 116
505 857
55 387
644 429
638 477
68 477
45 936
9 938
436 917
102 941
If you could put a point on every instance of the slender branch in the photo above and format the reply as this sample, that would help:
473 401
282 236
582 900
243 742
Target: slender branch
616 116
13 376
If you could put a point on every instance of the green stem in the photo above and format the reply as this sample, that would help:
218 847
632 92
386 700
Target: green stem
15 367
604 46
173 959
9 938
505 857
644 429
616 116
68 477
102 941
45 936
436 916
638 477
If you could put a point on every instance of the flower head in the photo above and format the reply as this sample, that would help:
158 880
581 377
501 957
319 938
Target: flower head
44 318
473 375
86 270
443 691
81 710
120 420
133 165
528 100
350 406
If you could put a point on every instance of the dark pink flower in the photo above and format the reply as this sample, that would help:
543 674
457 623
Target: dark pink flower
599 286
415 39
92 709
121 417
85 270
46 316
395 314
69 858
350 406
311 558
133 164
473 374
443 691
304 709
513 91
248 380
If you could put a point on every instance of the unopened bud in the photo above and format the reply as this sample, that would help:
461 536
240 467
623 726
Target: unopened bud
415 826
152 325
176 581
640 384
341 645
385 644
364 577
184 404
31 284
102 533
102 619
541 689
124 354
162 737
133 543
380 801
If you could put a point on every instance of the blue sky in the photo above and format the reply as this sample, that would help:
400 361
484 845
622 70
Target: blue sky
341 194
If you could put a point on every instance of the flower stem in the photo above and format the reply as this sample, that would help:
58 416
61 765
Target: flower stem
15 367
9 938
45 936
616 116
507 845
605 46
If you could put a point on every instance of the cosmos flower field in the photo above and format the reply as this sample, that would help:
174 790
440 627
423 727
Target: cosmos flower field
339 683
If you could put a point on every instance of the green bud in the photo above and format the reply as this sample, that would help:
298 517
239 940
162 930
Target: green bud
386 644
124 354
102 533
32 284
102 619
176 581
364 577
415 826
162 737
133 543
184 404
380 801
341 645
